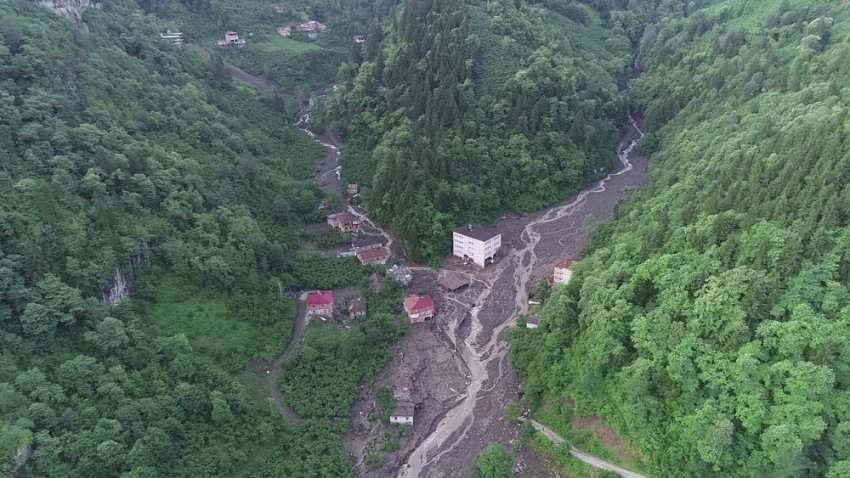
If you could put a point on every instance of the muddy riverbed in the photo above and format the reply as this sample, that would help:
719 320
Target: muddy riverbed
458 360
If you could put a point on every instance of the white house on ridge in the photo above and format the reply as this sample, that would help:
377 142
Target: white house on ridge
476 243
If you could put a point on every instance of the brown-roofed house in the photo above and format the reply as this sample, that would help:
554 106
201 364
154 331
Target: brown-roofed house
357 308
419 308
452 282
284 31
368 242
374 256
562 270
377 281
345 222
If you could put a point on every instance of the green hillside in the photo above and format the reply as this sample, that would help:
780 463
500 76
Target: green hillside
467 103
708 323
117 148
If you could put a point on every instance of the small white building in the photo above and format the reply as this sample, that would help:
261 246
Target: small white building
476 243
562 271
403 413
533 321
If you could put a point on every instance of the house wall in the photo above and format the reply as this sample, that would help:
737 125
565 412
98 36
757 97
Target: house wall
477 251
562 276
419 316
402 420
319 310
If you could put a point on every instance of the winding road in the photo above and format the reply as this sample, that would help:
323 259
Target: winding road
492 309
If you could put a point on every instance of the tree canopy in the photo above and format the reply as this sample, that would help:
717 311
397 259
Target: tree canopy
707 321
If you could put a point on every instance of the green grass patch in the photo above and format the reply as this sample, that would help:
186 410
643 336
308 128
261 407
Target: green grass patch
279 43
232 329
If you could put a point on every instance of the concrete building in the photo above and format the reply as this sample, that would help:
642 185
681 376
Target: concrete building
284 31
359 39
533 321
231 39
353 189
477 244
562 271
173 37
345 222
279 8
403 413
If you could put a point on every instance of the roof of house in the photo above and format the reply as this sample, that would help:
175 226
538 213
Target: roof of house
373 254
357 305
418 302
452 281
320 298
368 241
404 382
563 263
480 233
346 217
403 409
377 281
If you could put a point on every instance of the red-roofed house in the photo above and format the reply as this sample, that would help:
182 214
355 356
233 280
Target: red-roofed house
419 308
320 303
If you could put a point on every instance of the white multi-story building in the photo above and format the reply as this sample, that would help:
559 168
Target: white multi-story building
476 243
562 271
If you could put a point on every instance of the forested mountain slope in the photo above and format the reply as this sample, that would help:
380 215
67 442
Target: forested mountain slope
469 109
709 322
114 143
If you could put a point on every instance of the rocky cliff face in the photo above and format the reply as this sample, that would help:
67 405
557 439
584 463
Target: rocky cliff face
70 8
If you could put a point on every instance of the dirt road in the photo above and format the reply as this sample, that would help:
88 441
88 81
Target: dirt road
590 460
299 325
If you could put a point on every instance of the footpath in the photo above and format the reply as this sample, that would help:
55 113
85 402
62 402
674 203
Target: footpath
590 460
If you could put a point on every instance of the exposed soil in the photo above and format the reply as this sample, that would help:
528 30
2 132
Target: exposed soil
606 434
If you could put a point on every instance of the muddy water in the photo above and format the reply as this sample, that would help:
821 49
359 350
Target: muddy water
484 352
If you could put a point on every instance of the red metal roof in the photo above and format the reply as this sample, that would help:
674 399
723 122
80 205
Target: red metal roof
418 302
320 298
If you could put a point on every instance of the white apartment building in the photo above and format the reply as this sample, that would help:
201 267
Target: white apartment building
476 243
562 271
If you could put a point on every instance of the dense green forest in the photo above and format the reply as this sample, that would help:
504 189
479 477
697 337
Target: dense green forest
709 321
465 104
118 150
